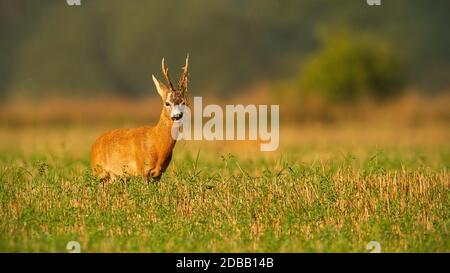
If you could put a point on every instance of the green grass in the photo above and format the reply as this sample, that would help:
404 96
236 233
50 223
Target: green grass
226 203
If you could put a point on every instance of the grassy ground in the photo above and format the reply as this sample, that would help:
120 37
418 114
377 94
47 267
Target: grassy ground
327 189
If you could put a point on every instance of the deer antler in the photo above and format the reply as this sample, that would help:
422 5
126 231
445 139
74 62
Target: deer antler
165 71
182 84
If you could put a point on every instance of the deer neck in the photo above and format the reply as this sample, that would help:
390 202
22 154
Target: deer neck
164 131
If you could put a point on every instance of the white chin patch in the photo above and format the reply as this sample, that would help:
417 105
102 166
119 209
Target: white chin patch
176 111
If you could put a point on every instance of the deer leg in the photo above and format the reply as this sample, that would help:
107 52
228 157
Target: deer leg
103 176
152 179
154 174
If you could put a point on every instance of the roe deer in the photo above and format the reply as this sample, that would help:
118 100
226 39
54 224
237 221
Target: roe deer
145 151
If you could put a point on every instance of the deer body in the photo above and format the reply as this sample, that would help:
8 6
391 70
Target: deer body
144 151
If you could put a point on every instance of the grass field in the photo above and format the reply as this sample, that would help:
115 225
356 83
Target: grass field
329 188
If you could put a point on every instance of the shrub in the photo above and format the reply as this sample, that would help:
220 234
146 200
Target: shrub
349 67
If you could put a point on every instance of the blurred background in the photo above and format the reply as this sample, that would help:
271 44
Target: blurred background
324 61
364 96
111 47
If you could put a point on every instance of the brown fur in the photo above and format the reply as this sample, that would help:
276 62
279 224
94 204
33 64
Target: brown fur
143 151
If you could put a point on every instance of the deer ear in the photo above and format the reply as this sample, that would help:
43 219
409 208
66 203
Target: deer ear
162 90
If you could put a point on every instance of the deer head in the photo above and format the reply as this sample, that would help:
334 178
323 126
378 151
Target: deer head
174 98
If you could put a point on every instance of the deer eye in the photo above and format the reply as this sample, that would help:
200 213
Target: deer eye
167 103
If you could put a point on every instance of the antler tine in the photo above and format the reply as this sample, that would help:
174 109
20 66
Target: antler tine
165 71
182 84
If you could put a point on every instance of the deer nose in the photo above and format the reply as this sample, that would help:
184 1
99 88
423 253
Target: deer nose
177 116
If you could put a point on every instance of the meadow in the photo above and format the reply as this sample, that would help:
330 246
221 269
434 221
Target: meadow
330 187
